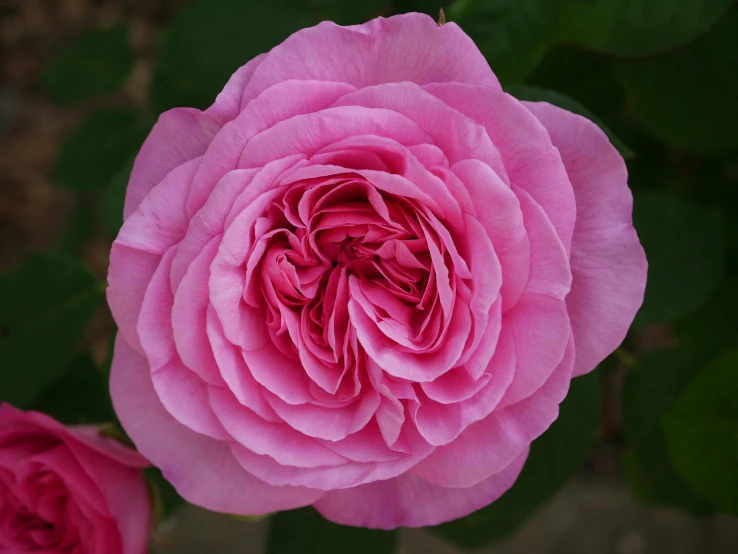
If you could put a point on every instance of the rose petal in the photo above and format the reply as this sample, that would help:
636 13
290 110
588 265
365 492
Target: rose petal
409 501
180 135
409 47
281 102
156 225
607 260
499 438
279 441
531 160
201 469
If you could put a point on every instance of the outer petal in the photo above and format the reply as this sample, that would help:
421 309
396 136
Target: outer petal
179 136
410 47
409 501
488 446
201 469
531 160
607 261
280 102
156 225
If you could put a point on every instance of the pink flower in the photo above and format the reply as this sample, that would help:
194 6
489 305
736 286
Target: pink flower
68 489
364 277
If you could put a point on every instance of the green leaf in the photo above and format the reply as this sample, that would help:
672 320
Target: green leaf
702 433
79 229
113 199
683 244
45 305
108 362
307 532
165 499
97 149
537 94
634 28
209 39
554 458
428 7
79 397
714 326
688 98
650 389
350 12
513 36
97 62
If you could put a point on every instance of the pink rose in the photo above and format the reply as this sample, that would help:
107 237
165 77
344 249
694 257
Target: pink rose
68 489
364 278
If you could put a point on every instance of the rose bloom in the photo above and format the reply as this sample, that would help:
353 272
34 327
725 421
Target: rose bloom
364 278
68 490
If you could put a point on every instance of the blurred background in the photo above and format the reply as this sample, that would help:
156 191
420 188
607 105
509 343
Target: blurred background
644 457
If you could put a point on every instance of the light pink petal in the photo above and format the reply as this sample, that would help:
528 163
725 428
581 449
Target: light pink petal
158 223
367 445
486 280
410 47
201 469
478 362
179 136
540 331
550 273
279 441
326 377
231 194
539 321
344 476
185 396
154 321
356 152
531 160
398 185
490 445
160 220
329 423
235 372
311 132
325 478
607 260
442 422
181 391
243 325
454 386
458 136
409 501
209 221
129 274
418 367
188 319
283 101
498 210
